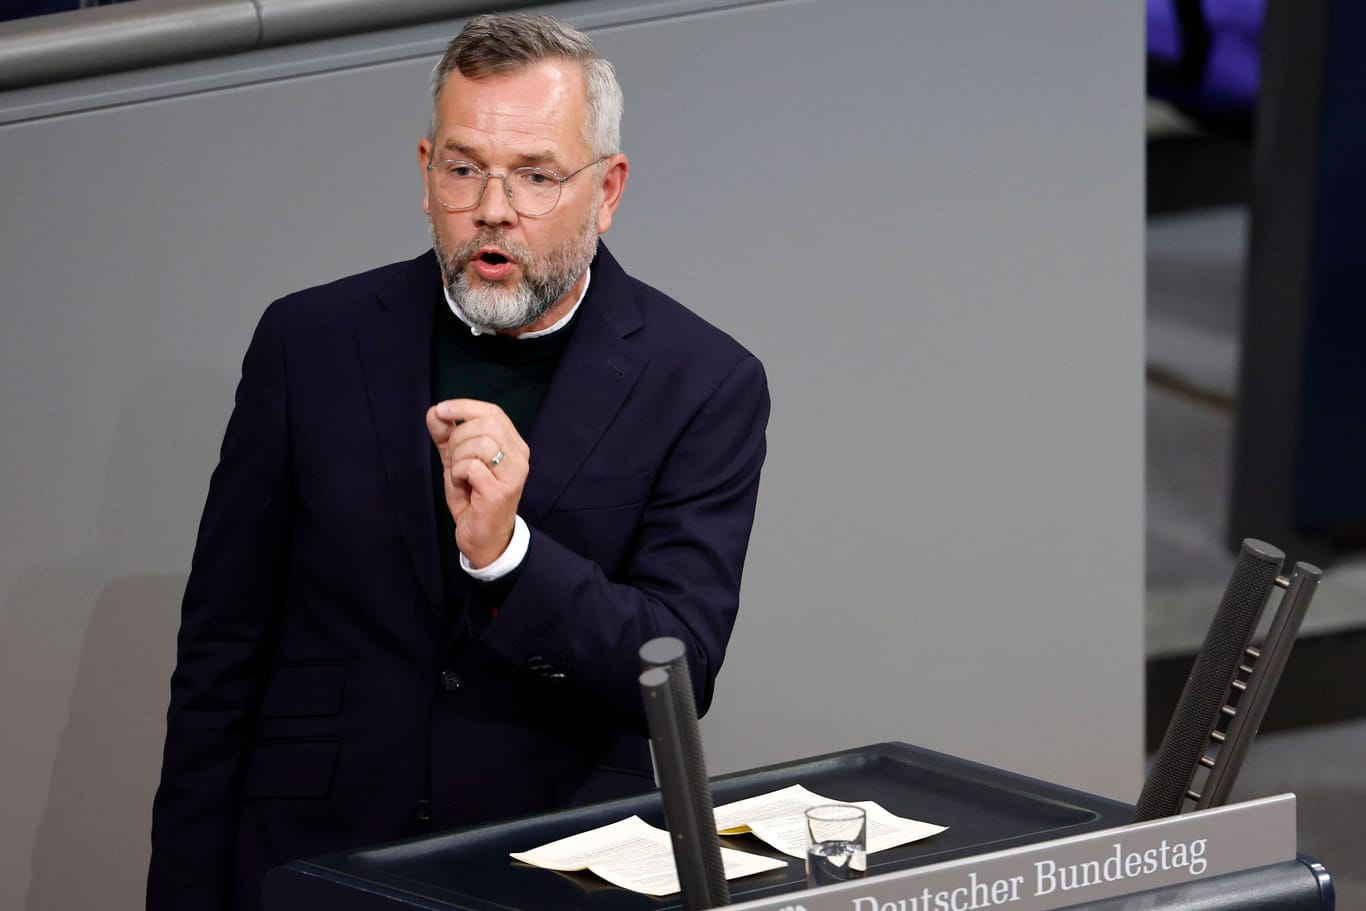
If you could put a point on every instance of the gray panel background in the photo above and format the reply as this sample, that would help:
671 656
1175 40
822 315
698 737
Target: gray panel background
925 218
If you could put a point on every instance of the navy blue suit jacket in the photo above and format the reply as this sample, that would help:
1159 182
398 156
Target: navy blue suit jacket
324 698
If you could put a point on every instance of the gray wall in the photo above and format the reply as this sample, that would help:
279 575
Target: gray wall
924 217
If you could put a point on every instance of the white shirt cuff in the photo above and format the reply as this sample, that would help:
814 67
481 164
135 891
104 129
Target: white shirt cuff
509 560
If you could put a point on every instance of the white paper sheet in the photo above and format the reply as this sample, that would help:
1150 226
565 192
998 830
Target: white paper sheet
634 855
779 819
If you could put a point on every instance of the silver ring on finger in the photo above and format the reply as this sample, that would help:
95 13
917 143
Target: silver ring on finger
497 459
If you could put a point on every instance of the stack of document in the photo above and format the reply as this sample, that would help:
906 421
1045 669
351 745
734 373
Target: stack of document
635 855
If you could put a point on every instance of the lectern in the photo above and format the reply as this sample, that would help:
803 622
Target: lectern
989 812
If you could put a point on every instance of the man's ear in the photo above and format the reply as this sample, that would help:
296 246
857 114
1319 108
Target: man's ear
424 157
613 185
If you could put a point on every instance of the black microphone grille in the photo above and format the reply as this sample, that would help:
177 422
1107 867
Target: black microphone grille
1207 688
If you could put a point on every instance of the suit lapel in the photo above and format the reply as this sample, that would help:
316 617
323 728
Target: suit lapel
596 372
395 341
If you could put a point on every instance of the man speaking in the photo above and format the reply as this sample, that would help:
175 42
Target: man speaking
455 496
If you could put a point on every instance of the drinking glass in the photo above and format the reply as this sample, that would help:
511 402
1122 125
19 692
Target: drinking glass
837 844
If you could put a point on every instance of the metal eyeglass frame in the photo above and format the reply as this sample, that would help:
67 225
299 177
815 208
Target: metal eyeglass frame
507 188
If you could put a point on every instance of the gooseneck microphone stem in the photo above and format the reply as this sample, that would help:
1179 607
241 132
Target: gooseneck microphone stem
678 731
684 831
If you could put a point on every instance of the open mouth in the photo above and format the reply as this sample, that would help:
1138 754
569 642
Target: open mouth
493 265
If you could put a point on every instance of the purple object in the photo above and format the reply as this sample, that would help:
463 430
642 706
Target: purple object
1204 55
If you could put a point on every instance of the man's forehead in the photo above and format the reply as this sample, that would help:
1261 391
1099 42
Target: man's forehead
546 84
537 109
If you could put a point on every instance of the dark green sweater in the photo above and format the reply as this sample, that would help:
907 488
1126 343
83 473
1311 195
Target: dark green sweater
512 373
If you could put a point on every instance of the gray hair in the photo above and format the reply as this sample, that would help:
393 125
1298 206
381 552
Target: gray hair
492 44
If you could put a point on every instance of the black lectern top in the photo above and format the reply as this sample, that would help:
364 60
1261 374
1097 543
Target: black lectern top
986 809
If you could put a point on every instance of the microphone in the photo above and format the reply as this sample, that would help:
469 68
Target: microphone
676 744
1204 700
1255 694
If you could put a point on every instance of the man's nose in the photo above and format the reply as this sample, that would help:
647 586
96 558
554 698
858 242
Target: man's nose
495 206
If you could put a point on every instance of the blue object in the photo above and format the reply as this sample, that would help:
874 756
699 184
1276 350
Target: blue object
23 9
1204 56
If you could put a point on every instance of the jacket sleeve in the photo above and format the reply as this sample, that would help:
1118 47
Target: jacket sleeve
565 619
230 610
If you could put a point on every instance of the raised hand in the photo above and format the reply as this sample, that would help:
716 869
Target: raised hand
484 463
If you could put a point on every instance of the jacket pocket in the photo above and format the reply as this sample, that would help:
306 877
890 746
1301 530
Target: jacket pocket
290 768
304 690
604 492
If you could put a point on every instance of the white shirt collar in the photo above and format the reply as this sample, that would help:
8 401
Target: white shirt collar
559 324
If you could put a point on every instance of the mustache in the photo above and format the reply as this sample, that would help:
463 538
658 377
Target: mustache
462 255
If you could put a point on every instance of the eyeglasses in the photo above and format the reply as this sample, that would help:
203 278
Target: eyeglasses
530 191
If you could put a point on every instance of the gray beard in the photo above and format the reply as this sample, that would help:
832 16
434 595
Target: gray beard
491 307
544 281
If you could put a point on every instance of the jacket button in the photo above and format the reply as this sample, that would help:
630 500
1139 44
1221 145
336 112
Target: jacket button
450 680
423 811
